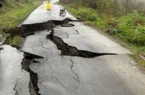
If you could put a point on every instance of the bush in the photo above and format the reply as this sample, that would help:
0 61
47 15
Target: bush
89 15
132 28
15 41
92 17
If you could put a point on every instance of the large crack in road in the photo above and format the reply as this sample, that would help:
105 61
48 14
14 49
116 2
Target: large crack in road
67 50
85 78
67 75
33 76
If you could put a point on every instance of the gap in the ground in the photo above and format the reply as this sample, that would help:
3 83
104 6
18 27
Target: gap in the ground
23 31
72 51
33 84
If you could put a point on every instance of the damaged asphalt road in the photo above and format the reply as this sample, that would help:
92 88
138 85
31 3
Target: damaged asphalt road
13 80
64 72
74 60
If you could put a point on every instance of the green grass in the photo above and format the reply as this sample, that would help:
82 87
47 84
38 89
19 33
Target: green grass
14 16
89 15
128 28
11 16
16 41
132 28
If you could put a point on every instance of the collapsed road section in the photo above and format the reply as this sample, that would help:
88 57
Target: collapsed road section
75 60
65 71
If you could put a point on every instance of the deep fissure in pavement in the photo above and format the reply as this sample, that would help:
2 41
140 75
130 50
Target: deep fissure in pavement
24 31
72 51
33 84
28 29
61 45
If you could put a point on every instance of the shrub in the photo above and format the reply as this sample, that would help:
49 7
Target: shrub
15 41
92 17
132 28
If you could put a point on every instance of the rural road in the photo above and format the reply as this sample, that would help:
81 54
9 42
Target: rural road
76 60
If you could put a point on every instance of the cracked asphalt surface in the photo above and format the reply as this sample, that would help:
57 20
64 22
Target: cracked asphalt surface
41 15
13 80
60 74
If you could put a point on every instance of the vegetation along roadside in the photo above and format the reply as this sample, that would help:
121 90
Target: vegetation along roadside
12 14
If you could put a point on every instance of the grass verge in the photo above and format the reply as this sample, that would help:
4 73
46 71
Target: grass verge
11 16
